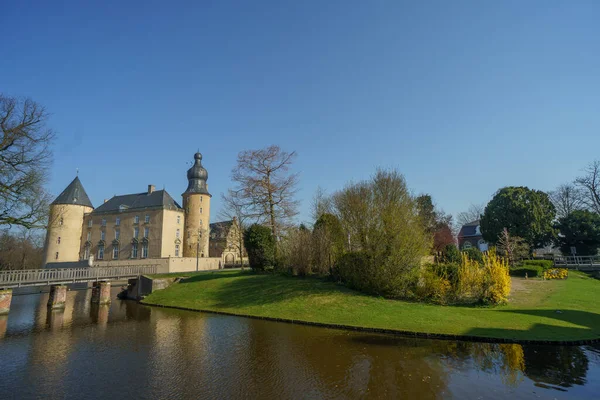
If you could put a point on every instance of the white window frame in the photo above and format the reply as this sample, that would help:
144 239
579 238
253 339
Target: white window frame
118 221
144 250
146 232
134 250
136 232
176 250
101 252
90 223
115 252
147 218
117 234
136 219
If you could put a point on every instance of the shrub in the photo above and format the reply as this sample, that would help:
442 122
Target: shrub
447 271
354 270
450 254
544 264
474 254
497 280
260 246
532 271
556 273
469 285
434 287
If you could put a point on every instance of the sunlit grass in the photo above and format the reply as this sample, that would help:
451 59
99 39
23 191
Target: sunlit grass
537 310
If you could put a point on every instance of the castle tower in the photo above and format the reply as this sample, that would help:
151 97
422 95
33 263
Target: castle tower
196 205
65 224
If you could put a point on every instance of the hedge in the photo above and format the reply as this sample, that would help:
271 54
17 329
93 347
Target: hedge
545 264
532 271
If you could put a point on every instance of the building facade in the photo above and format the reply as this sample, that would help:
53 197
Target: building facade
144 225
225 242
470 236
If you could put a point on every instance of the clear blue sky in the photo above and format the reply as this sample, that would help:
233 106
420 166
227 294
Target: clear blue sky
462 97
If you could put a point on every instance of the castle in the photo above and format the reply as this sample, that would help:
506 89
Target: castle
148 225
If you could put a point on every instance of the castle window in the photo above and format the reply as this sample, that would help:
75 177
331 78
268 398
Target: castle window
146 232
176 250
145 250
118 221
115 252
90 222
102 235
147 219
58 240
134 250
179 219
177 234
86 253
136 219
61 221
136 233
56 256
89 235
103 223
200 210
117 234
101 252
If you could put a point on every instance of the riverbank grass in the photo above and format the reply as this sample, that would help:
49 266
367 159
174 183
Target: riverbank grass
566 310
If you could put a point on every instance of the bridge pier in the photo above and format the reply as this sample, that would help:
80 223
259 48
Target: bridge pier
58 296
101 293
5 300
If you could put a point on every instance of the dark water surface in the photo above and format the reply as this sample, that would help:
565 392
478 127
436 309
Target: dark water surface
129 351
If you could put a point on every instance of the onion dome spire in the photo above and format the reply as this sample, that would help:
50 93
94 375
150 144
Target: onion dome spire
197 177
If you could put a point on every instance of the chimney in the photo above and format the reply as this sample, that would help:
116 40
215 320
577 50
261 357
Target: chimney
150 189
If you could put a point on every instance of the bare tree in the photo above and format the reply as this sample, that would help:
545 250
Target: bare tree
590 185
472 214
322 204
235 209
266 187
566 199
24 160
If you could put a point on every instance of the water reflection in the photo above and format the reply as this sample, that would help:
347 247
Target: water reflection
158 353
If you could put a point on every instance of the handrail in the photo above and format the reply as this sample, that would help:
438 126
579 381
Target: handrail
577 260
30 277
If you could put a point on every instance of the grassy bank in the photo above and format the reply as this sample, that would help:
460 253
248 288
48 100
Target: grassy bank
538 310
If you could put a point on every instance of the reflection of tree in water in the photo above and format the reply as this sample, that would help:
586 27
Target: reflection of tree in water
562 366
505 360
325 363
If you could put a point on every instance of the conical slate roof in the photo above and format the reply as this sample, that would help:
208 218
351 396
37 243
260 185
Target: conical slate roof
74 194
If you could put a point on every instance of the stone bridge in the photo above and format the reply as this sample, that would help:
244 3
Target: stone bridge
58 278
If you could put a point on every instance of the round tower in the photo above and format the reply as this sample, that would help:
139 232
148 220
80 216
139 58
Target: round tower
65 224
196 204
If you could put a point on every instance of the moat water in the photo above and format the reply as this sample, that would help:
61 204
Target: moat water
130 351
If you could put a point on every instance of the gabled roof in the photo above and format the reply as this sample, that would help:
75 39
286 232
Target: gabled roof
158 198
469 229
220 230
74 194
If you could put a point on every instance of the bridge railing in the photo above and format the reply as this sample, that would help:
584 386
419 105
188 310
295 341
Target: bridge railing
59 275
577 260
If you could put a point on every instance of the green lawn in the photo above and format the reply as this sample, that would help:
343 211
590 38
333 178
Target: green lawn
538 310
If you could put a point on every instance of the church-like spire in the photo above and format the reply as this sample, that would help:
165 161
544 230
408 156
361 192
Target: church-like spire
74 194
197 177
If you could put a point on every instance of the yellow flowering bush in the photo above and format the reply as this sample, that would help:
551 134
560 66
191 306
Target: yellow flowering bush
556 273
497 279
